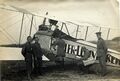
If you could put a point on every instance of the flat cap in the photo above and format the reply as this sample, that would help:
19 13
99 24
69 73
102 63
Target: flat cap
98 33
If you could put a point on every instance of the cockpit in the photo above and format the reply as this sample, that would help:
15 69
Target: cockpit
53 30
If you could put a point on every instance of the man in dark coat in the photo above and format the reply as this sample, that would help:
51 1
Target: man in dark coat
60 43
80 63
101 53
86 53
27 53
37 54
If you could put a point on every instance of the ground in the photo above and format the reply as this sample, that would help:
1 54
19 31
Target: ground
55 73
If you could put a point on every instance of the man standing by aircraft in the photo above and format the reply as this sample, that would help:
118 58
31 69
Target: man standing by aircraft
37 54
27 53
85 57
101 53
60 50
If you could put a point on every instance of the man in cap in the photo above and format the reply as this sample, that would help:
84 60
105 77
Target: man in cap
101 53
37 54
27 53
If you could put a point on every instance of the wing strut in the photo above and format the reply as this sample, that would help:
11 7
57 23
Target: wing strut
77 31
100 29
108 33
66 29
86 33
21 28
31 25
62 27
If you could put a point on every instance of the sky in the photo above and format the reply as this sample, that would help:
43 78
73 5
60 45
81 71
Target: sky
101 13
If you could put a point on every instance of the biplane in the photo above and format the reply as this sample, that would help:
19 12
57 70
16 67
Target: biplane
51 27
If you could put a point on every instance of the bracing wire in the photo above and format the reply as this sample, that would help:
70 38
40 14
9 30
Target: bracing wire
9 34
11 25
6 28
8 18
8 38
32 23
25 30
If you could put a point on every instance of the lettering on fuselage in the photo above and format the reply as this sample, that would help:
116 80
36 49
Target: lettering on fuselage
111 59
77 50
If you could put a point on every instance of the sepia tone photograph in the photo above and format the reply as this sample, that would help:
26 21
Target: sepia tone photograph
59 40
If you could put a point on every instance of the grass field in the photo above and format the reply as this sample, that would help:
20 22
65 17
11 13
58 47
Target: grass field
16 71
